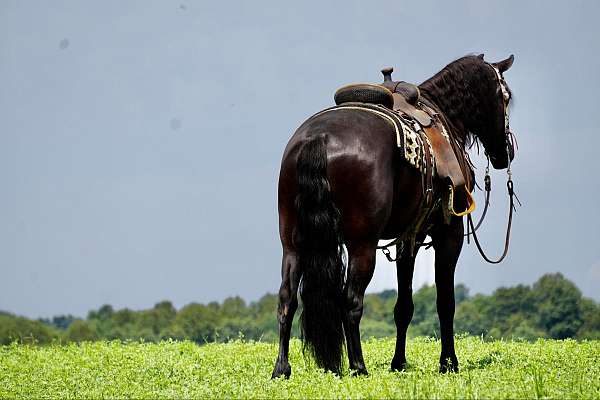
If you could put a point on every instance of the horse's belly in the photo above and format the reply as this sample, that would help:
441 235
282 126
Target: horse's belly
406 204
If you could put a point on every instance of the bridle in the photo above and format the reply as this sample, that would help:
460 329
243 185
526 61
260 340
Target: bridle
510 143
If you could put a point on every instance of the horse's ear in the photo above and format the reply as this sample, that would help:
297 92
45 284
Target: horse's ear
480 56
504 65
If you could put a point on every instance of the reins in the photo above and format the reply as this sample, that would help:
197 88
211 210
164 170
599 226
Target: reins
512 196
488 188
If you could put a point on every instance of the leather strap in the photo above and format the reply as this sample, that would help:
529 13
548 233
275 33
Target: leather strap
401 105
511 207
428 168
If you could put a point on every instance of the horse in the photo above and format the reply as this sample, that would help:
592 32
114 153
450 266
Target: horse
343 183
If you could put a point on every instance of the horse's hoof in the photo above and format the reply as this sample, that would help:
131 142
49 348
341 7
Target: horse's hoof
359 371
398 366
448 365
281 370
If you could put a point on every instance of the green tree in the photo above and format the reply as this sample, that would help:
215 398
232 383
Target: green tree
263 325
461 293
103 321
80 331
590 314
470 316
61 322
234 307
196 322
157 320
552 307
557 303
24 330
374 308
425 320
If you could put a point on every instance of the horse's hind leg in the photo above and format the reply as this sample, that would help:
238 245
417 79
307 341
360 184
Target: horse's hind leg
288 303
404 309
361 266
447 242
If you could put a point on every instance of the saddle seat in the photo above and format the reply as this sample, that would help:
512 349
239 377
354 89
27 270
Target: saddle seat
409 91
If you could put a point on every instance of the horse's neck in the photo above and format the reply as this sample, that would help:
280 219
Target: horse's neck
447 90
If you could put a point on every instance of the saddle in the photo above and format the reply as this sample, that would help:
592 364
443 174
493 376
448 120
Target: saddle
405 99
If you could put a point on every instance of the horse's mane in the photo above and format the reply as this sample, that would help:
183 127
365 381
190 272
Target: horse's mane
454 91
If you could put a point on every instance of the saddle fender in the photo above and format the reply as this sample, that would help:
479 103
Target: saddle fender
449 171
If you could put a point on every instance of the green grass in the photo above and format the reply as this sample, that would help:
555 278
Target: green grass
546 368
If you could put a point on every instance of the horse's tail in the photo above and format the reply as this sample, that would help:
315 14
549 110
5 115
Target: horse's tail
320 257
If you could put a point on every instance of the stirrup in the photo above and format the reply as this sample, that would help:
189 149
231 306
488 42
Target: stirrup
470 200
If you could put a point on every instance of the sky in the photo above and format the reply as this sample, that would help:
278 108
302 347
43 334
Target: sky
140 141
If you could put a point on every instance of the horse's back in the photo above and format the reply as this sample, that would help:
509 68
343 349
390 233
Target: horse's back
362 170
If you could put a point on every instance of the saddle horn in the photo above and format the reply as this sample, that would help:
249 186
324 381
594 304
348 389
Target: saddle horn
387 74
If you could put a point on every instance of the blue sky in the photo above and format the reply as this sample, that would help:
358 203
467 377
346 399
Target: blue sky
140 142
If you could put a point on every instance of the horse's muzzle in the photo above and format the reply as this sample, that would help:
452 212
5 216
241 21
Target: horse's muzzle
502 162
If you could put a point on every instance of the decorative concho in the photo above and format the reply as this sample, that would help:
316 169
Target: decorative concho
414 151
412 146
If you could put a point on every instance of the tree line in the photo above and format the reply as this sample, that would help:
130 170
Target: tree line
552 307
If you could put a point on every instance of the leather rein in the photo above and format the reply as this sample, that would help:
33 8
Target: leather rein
471 229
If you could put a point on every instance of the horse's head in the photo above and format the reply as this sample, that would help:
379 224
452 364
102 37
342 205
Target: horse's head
474 97
492 127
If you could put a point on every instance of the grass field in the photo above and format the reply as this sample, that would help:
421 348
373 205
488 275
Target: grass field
546 368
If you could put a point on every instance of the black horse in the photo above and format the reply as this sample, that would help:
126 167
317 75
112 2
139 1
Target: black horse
342 182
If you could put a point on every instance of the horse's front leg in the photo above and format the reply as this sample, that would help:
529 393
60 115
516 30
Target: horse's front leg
404 309
361 266
288 303
447 242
